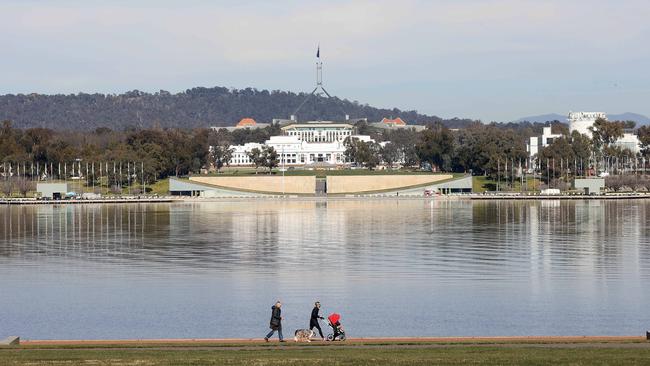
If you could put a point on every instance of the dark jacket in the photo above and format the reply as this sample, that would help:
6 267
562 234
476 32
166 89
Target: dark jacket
314 316
276 318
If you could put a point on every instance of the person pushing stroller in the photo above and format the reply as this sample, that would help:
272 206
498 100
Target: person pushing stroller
313 321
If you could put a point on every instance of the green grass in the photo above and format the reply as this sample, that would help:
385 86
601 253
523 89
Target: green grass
330 355
319 173
160 188
482 184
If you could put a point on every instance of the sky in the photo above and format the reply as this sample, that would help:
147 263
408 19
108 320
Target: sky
493 60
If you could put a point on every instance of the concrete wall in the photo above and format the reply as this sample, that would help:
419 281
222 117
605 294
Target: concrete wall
592 185
263 183
350 184
48 189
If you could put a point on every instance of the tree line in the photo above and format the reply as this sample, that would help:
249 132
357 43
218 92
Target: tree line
162 152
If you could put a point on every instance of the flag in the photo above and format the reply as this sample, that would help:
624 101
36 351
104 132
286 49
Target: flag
318 52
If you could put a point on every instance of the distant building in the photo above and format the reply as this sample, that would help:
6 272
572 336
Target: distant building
55 191
244 123
536 143
319 131
629 141
582 121
303 144
396 123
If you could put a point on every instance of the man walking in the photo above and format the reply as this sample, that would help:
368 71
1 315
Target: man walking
276 321
313 321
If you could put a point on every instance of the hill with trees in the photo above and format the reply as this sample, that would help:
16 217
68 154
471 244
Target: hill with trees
194 108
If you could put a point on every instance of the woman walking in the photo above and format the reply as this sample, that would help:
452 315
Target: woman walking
276 321
313 321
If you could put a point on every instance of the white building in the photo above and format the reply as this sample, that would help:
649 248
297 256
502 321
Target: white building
310 143
581 121
536 143
629 141
319 131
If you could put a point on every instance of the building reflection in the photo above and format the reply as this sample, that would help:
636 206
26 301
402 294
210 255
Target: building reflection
428 239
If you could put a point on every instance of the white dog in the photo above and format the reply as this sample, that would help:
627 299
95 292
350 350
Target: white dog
303 335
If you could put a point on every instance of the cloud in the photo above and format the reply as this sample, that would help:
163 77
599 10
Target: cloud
516 47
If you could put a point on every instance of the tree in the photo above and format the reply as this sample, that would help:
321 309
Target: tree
582 151
369 154
644 138
23 185
221 155
351 149
269 157
555 158
255 156
7 187
605 133
390 153
436 146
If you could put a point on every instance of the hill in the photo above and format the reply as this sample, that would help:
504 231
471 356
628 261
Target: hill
196 107
628 116
543 118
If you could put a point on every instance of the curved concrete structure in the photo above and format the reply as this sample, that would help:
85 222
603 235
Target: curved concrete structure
273 184
355 184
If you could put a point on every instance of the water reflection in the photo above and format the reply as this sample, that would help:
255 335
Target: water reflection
446 239
499 268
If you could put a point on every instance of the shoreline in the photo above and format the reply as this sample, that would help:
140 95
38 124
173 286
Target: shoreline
459 197
359 340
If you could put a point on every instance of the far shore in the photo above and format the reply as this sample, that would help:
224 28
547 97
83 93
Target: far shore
376 197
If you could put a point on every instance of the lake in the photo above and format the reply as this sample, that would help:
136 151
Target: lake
389 267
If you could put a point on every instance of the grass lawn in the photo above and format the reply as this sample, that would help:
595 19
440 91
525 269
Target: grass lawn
320 173
483 184
454 354
161 187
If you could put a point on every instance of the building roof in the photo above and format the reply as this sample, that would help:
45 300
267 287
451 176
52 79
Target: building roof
246 122
318 124
395 121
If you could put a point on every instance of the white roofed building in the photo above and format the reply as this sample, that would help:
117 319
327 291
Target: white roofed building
302 144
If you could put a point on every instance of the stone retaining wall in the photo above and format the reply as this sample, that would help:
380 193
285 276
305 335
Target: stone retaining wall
264 183
350 184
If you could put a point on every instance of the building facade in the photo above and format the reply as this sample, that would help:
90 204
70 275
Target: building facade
303 144
319 131
536 143
582 121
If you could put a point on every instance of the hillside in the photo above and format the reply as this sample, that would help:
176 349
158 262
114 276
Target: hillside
197 107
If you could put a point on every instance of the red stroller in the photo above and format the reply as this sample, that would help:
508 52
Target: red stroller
339 333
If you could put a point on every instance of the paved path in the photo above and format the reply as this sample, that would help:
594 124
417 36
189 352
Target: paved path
410 342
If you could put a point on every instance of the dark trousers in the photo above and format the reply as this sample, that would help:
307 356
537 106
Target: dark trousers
315 324
273 331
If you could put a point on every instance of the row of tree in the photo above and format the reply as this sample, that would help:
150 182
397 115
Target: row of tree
478 148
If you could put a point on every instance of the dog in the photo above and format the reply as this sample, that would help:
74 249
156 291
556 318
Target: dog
303 335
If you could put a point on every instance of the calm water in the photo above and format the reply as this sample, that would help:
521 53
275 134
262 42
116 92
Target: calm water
391 268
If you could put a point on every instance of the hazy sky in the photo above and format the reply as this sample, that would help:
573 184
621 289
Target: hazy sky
485 59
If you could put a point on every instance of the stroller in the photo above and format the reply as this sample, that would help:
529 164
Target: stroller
339 333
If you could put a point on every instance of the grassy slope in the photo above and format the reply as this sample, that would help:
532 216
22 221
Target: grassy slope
509 354
246 171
